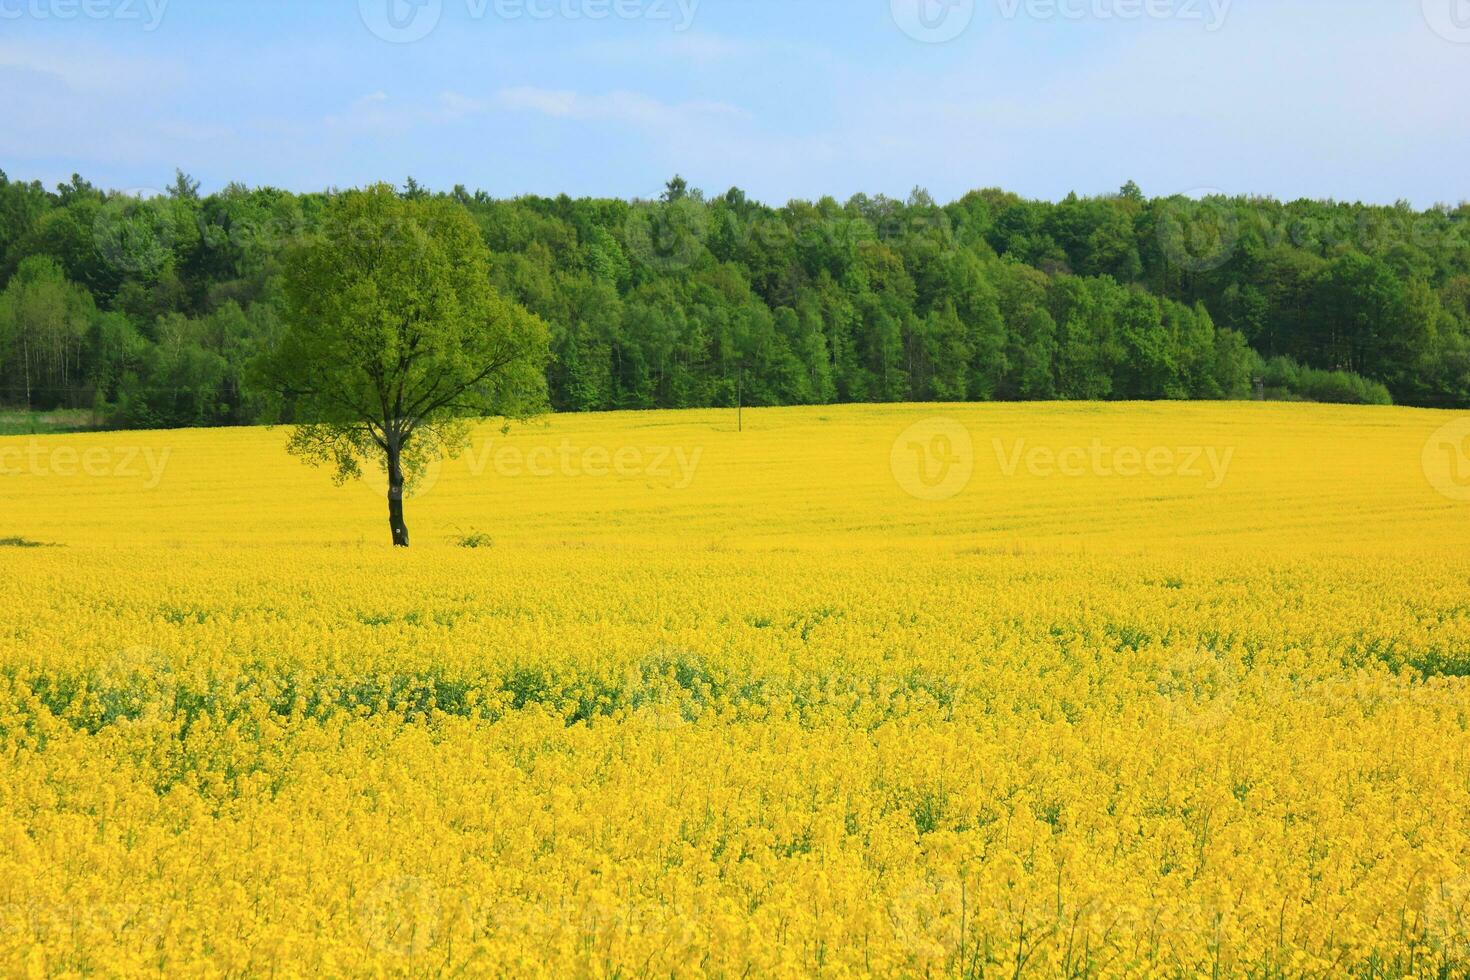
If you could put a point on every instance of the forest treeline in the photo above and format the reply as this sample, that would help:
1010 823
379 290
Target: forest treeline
148 309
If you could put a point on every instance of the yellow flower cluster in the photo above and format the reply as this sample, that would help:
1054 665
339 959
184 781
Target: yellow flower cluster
1056 690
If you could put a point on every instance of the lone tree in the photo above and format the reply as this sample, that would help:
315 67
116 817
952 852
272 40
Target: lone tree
395 340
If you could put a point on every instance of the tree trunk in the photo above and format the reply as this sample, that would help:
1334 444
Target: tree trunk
395 499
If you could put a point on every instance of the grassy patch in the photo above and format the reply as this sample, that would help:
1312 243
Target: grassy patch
20 422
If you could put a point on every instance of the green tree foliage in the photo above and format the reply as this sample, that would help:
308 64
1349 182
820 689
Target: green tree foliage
394 337
44 325
676 302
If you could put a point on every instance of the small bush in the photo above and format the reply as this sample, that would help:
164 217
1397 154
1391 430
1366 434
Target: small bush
475 539
1289 381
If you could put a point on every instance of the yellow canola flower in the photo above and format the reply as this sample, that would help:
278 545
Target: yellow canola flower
860 691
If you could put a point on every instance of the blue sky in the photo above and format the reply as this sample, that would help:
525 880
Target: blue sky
1353 99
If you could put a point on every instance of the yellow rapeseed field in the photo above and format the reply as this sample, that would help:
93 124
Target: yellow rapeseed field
941 691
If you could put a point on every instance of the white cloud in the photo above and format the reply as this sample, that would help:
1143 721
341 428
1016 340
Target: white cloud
622 107
90 70
374 111
545 101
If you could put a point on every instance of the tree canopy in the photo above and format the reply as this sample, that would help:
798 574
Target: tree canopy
394 337
671 302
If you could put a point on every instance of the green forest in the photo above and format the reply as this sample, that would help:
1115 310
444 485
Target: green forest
147 311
